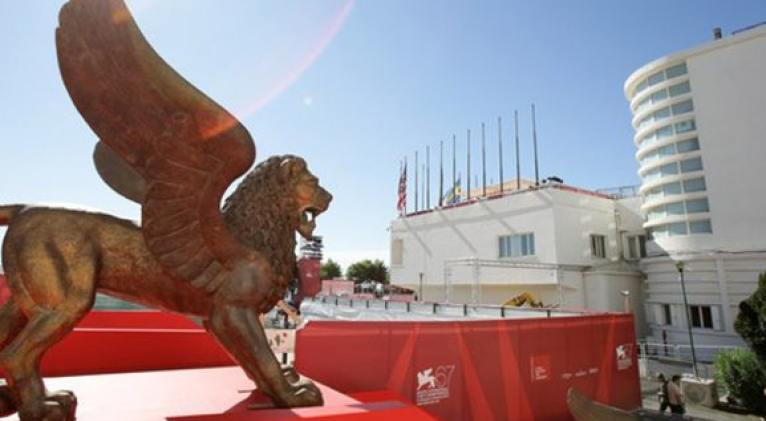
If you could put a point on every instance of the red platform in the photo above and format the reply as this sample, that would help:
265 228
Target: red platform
211 394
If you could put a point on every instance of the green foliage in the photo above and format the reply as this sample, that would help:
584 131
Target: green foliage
751 320
743 375
329 270
368 270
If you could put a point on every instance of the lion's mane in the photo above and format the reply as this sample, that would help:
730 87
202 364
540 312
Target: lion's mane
263 213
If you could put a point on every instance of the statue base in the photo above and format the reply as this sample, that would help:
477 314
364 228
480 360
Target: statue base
213 394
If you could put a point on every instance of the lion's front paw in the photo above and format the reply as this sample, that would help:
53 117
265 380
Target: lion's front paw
60 406
304 393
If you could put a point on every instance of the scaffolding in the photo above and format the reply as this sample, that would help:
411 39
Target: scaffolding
476 264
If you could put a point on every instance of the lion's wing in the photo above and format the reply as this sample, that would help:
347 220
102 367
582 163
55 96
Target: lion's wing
187 148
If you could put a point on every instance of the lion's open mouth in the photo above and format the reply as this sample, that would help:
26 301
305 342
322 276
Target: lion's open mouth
308 221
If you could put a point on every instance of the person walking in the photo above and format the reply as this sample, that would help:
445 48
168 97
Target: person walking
662 393
675 398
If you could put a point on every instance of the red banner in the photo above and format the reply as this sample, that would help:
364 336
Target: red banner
479 370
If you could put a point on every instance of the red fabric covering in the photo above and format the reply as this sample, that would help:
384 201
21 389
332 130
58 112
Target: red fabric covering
479 370
214 394
126 341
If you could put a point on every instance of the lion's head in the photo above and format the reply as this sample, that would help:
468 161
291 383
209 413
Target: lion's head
311 199
279 197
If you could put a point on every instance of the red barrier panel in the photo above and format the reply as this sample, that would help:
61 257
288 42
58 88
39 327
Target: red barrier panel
127 341
479 370
308 279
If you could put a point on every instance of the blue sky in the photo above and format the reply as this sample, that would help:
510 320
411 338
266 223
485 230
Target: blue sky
354 86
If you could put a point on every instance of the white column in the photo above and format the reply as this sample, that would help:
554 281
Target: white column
727 323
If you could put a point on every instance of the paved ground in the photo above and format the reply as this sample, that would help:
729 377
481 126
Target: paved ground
695 412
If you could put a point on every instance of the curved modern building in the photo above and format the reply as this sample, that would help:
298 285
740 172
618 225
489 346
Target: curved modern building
700 122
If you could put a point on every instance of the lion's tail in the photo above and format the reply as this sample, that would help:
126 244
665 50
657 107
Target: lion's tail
8 212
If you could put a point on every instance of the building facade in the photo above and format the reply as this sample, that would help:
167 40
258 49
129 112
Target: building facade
700 138
566 247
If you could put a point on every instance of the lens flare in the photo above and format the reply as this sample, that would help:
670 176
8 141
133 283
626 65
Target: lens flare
321 44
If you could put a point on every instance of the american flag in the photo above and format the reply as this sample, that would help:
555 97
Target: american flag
402 203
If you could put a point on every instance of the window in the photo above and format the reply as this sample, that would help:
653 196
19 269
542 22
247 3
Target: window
642 86
669 169
671 189
697 206
517 245
700 227
598 246
656 78
668 313
662 114
652 175
689 165
664 132
683 107
676 208
397 252
685 126
680 89
656 213
702 317
675 71
667 150
659 96
688 145
643 104
678 228
636 247
694 185
663 314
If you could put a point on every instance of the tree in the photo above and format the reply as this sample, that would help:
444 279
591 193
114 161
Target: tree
743 376
751 320
329 270
368 270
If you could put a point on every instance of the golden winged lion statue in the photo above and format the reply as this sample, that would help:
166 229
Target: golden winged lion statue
168 147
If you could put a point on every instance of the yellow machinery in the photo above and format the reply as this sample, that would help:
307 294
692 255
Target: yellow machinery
521 299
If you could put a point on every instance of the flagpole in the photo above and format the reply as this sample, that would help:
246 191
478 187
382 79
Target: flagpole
399 188
441 173
534 139
518 162
500 148
405 184
423 189
428 177
483 163
416 181
454 162
468 149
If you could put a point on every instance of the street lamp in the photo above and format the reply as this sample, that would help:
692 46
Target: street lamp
420 276
625 300
687 310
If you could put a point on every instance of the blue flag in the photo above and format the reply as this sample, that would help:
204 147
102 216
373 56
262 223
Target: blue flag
453 195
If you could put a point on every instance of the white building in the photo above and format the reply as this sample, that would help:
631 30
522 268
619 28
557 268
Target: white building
700 120
564 246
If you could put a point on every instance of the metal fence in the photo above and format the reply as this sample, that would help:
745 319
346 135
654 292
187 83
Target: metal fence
420 309
655 358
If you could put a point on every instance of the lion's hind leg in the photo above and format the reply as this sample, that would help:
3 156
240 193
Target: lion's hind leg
53 302
21 359
12 320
